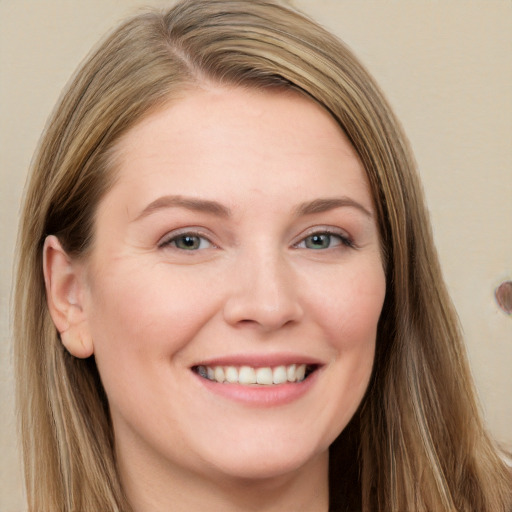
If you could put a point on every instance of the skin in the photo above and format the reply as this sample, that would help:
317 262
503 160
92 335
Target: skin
256 285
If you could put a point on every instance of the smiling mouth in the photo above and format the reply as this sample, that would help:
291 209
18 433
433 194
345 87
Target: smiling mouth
248 375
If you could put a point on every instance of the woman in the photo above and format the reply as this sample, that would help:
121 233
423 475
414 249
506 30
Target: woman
235 279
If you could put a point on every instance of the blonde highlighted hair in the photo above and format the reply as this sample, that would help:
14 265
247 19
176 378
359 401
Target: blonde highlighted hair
417 442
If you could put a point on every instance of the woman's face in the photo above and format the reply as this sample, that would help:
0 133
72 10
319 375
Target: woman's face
239 242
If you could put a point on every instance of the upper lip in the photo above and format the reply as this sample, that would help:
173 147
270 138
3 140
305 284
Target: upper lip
260 360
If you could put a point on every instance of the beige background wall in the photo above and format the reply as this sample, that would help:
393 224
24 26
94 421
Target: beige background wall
446 68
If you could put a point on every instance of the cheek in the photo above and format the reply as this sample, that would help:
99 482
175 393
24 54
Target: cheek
350 320
351 314
138 315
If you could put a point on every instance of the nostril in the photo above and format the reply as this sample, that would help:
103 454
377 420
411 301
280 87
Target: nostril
257 309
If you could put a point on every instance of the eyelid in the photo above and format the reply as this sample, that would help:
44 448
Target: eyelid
346 239
189 230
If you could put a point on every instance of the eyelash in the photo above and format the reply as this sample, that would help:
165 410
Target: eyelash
343 239
172 240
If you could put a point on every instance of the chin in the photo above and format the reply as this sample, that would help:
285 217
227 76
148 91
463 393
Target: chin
270 462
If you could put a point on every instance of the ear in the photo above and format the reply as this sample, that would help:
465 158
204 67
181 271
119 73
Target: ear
64 280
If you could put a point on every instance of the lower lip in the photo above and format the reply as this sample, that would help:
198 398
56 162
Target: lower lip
261 395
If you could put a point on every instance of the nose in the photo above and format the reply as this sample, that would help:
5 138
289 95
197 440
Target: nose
263 294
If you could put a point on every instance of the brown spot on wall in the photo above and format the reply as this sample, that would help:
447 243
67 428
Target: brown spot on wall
504 296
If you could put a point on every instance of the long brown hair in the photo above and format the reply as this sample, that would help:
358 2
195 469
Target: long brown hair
417 442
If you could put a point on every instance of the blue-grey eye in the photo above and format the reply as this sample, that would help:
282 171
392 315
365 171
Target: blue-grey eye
321 241
189 242
318 241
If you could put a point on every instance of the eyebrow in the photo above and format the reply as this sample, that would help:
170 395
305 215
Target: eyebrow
213 207
190 203
324 205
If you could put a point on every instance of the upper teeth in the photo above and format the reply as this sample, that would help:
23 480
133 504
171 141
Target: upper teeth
249 375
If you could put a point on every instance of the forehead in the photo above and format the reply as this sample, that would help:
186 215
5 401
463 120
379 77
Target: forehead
210 138
216 109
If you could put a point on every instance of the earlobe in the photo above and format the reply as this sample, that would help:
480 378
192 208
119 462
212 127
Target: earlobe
76 343
64 293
